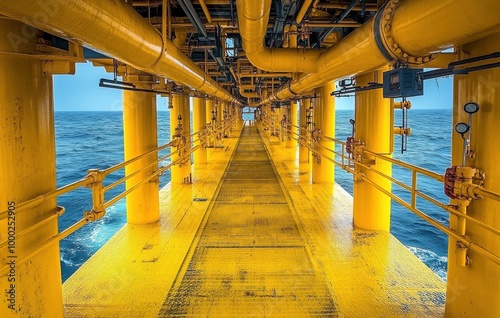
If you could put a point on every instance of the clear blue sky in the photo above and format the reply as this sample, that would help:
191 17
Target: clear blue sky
81 92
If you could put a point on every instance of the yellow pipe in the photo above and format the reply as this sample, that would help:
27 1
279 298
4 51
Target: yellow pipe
209 104
253 17
118 29
372 208
180 171
266 75
303 10
205 10
139 111
359 52
292 141
27 170
199 109
180 39
305 103
248 94
480 298
324 118
286 41
331 25
292 36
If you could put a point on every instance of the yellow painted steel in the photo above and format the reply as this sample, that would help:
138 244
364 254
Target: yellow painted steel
206 11
359 53
220 113
181 171
305 103
209 107
303 11
118 28
140 136
292 140
253 18
324 118
374 126
262 245
199 117
472 290
27 170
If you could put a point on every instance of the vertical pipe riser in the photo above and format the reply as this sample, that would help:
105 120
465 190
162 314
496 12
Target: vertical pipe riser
472 290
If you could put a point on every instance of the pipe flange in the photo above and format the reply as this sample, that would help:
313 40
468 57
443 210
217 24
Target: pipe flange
388 44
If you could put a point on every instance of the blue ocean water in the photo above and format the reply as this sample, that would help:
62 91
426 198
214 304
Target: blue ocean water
86 140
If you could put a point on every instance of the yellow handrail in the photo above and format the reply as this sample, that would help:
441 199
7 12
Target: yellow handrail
93 178
415 170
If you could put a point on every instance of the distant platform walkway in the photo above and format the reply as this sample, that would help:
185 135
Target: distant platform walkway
264 243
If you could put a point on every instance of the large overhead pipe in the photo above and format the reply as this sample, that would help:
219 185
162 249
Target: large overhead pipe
115 29
403 30
253 17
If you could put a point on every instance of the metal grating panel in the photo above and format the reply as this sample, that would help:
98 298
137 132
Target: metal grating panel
251 259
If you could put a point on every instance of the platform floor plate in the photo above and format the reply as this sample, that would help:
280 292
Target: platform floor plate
264 242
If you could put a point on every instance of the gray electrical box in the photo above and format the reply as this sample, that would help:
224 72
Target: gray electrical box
403 82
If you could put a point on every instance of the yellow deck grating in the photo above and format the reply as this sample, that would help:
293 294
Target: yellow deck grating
266 243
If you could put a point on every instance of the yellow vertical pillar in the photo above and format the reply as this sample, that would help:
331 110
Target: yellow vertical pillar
293 135
199 117
181 171
324 118
140 135
277 121
27 170
220 113
472 291
305 103
372 208
209 106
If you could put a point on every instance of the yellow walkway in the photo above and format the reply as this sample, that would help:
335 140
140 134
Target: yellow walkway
262 245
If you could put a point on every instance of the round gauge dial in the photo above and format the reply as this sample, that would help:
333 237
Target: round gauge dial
461 128
471 108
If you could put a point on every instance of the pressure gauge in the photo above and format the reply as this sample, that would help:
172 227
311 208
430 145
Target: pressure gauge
471 108
462 128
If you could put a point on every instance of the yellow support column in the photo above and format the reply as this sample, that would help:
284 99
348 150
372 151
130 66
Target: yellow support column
220 114
472 290
293 134
305 103
140 136
209 102
372 208
324 118
199 117
180 172
27 170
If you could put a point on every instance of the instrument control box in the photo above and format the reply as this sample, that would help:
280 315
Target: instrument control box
403 82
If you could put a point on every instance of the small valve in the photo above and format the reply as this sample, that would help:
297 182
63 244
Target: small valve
316 134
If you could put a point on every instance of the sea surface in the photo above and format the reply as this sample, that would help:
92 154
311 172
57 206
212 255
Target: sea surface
89 140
